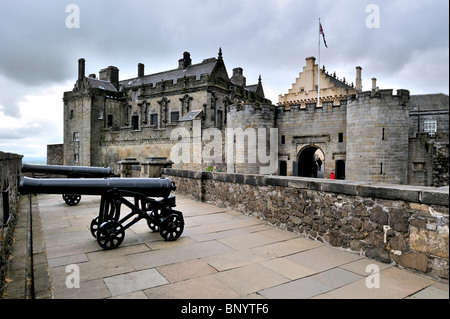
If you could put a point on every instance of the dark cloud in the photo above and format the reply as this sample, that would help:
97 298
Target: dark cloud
270 38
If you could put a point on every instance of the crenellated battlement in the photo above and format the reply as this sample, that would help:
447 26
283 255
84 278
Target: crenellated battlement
402 95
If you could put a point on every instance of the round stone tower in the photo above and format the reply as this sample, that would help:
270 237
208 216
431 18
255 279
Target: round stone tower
377 136
251 139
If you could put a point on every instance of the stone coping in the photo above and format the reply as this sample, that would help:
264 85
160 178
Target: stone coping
408 193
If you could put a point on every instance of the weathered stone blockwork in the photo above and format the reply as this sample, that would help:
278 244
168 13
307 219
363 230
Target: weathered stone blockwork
10 165
406 225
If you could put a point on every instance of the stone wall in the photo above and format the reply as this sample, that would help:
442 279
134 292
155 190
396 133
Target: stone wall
55 154
404 225
10 165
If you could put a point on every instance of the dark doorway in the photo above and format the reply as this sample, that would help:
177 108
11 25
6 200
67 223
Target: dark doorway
310 162
283 168
340 169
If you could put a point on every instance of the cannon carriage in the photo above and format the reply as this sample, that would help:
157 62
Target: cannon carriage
71 199
148 198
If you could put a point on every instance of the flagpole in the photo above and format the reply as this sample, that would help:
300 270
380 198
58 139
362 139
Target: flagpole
318 72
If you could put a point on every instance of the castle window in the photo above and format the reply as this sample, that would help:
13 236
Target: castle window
219 119
381 168
76 158
429 126
382 134
283 139
154 120
135 122
174 117
76 136
110 120
100 115
341 137
71 114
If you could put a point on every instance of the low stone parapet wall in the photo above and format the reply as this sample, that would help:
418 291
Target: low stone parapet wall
10 166
405 225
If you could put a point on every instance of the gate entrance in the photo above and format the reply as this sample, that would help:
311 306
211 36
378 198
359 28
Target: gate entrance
310 162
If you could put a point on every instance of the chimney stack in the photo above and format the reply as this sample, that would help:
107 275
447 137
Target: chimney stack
238 77
185 61
111 74
140 70
81 69
358 79
374 86
308 72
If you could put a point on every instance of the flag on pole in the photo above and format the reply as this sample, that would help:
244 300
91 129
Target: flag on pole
323 34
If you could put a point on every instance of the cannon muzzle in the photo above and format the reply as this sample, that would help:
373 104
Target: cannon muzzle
149 187
69 171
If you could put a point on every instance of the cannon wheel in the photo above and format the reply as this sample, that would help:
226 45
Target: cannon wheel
71 199
153 221
172 227
94 227
110 234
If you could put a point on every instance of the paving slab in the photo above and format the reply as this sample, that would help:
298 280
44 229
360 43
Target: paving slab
288 269
186 270
323 258
172 255
430 293
134 281
250 279
298 289
222 254
205 287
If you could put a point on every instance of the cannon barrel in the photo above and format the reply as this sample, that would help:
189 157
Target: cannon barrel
69 171
149 187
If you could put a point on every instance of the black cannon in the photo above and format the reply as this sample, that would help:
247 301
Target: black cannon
152 201
69 172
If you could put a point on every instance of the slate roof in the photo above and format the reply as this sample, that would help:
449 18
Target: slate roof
429 102
205 67
252 87
101 84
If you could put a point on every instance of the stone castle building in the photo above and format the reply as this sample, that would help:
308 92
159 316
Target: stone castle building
107 120
372 135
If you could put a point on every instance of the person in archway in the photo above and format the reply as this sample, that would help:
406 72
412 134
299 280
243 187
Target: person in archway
314 168
319 163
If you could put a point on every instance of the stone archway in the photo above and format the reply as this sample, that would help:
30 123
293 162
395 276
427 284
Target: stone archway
311 162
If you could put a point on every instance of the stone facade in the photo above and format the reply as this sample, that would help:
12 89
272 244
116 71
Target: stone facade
107 120
10 166
55 154
374 136
404 225
332 89
362 135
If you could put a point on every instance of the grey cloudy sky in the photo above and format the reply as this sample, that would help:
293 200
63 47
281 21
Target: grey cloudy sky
409 49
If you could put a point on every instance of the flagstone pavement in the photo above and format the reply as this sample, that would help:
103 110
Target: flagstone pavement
222 254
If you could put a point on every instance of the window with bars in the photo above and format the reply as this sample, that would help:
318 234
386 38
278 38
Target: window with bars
174 117
154 120
429 126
